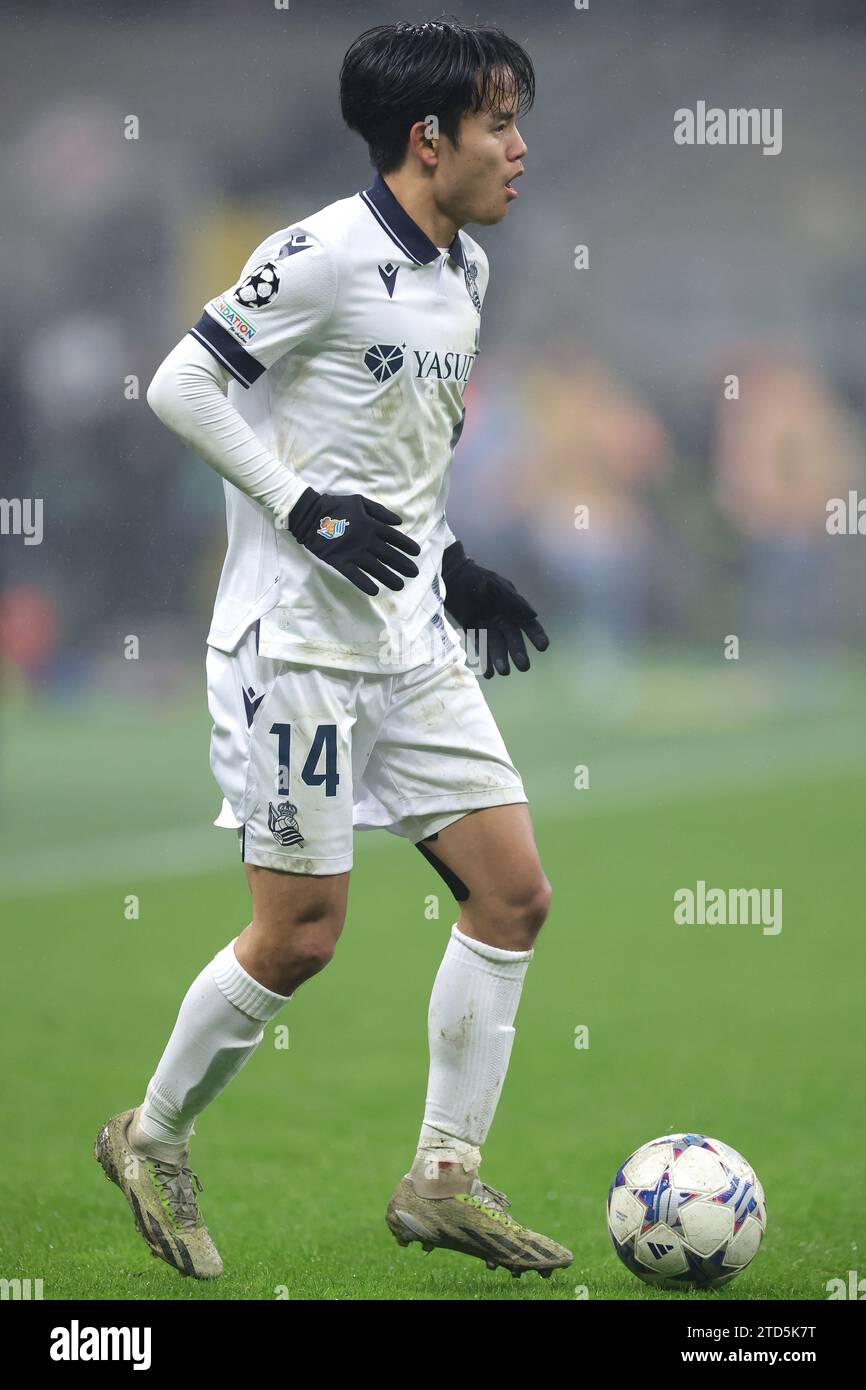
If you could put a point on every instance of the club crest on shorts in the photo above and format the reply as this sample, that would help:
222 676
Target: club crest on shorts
332 527
282 823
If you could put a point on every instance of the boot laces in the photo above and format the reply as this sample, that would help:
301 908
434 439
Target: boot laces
493 1197
495 1202
177 1187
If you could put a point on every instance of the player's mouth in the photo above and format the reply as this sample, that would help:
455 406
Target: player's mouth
512 192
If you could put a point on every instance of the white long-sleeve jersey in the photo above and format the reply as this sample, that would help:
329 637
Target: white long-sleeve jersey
344 348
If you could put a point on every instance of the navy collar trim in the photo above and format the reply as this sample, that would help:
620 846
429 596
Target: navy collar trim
405 233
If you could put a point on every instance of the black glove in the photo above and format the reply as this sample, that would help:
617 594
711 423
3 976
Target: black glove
479 598
368 541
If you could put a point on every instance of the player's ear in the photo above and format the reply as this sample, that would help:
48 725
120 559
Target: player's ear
424 141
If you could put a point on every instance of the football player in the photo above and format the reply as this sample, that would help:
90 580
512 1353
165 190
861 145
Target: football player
326 387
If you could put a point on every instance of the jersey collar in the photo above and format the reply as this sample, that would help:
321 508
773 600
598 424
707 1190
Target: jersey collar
405 233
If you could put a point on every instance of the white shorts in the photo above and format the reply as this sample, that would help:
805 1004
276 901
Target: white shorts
305 754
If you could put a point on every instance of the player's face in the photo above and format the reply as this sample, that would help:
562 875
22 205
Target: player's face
475 178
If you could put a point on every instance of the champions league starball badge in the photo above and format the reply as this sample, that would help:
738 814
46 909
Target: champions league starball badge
259 288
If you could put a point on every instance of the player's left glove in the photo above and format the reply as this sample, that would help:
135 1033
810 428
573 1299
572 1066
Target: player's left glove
479 598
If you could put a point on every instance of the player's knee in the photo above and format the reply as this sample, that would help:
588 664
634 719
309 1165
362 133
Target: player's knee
535 905
312 954
517 912
528 902
310 940
294 937
299 952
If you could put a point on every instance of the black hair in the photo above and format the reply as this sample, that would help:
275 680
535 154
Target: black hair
396 74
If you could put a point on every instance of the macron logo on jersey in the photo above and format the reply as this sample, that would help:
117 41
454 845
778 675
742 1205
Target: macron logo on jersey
389 277
251 703
298 242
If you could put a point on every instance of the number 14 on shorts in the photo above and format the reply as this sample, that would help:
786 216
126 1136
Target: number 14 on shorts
282 817
324 741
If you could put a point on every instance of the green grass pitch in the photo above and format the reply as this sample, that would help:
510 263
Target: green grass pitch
756 1039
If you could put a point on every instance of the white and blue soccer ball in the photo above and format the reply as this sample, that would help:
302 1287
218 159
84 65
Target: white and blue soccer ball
686 1210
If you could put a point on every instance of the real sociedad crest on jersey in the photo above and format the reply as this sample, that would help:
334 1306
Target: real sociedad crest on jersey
471 275
282 823
332 527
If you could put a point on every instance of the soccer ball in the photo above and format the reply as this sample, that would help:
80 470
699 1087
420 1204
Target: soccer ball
686 1210
259 288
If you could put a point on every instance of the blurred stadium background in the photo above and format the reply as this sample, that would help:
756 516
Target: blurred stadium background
601 386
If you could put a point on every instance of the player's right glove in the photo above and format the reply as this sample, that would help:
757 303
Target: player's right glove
356 536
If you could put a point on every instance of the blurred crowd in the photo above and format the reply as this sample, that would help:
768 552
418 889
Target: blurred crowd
608 464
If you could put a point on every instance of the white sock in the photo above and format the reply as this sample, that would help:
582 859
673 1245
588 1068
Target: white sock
218 1028
471 1034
